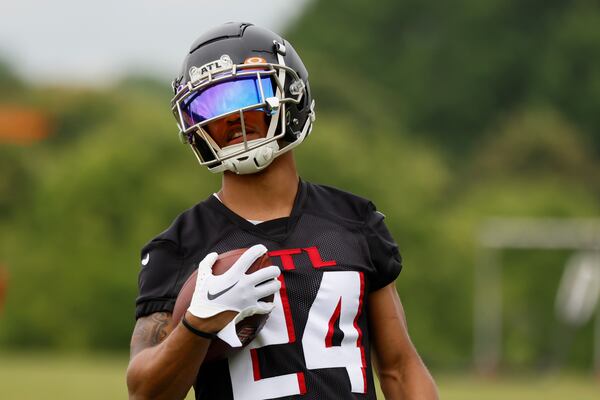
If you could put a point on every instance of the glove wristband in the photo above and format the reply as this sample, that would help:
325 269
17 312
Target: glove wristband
197 332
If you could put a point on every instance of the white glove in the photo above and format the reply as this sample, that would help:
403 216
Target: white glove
234 291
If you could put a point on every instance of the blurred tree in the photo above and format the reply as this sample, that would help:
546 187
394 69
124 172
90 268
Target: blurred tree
16 183
449 70
535 143
10 84
3 286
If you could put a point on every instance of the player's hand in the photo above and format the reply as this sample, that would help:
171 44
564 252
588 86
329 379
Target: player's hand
234 291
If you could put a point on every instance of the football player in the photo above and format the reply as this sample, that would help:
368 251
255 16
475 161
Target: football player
242 103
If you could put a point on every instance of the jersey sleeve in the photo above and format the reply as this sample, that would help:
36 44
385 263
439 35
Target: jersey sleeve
383 250
161 264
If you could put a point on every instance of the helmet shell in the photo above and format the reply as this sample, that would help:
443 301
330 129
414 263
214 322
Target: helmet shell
241 41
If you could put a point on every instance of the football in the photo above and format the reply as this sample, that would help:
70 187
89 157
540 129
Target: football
246 329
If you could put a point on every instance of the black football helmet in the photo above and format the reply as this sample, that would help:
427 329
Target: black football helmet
234 68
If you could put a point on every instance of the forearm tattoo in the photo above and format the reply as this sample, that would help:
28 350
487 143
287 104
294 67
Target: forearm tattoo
150 331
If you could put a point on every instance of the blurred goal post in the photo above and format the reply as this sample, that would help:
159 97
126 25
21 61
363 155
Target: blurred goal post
499 234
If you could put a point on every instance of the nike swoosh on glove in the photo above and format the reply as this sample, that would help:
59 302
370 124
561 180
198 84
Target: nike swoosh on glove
234 291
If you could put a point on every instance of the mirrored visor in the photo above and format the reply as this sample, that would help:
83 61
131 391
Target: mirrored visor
224 98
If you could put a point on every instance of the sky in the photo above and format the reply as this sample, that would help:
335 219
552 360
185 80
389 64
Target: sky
94 43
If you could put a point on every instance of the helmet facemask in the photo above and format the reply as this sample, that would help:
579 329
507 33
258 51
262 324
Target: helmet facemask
221 89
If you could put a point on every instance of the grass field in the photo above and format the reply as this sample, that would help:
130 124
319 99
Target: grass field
26 377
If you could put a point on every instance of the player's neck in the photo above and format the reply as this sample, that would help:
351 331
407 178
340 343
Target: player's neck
263 196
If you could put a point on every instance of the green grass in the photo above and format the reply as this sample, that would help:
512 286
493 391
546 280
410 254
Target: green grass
63 377
519 388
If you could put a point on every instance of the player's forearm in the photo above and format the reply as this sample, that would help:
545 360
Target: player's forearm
409 381
168 370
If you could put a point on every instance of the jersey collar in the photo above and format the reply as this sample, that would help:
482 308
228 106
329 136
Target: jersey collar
277 229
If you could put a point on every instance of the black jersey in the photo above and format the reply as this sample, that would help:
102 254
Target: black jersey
333 250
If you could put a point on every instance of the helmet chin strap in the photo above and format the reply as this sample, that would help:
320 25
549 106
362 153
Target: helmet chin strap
251 161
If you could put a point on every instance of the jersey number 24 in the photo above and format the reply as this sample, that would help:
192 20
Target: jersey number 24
339 298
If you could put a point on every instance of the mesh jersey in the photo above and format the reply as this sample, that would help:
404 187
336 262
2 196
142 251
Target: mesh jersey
333 249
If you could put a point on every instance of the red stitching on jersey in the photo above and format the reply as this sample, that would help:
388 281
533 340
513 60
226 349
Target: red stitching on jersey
301 382
316 260
359 340
287 311
287 261
334 317
255 366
